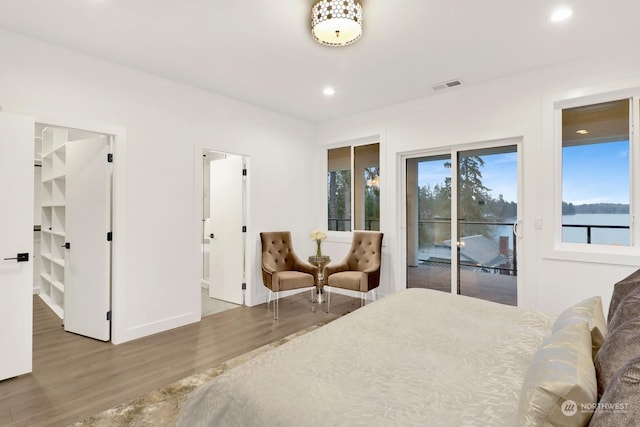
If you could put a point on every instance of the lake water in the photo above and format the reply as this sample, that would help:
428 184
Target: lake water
599 236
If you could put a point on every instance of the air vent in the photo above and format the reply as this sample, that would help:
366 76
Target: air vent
447 85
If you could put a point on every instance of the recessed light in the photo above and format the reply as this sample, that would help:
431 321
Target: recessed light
328 91
582 132
561 14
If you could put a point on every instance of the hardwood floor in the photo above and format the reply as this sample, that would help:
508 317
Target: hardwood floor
74 377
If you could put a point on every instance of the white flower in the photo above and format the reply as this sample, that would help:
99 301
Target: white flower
318 235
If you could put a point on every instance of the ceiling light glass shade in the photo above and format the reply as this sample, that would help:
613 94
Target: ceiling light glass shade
336 22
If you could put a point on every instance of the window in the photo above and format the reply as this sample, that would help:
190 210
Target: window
354 201
339 189
596 174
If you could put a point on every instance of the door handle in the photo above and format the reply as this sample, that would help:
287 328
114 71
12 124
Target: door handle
21 257
516 229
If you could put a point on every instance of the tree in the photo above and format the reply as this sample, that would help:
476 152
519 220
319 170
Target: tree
472 195
372 198
339 200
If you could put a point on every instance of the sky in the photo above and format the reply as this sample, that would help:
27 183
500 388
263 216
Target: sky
595 173
499 174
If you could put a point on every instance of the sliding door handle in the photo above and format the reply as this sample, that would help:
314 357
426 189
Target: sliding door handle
21 257
516 229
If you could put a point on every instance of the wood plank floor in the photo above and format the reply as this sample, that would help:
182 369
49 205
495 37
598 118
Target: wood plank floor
74 377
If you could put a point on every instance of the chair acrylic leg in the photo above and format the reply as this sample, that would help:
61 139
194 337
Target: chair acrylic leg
328 298
276 306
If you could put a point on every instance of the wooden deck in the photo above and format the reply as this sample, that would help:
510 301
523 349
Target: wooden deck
492 287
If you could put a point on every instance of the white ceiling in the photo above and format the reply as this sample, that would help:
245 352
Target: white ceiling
261 51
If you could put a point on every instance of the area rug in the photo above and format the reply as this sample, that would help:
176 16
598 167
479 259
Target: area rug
161 407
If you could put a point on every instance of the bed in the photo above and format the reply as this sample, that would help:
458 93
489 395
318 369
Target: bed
418 357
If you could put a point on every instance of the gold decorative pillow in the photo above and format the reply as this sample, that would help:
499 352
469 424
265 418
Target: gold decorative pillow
590 311
561 380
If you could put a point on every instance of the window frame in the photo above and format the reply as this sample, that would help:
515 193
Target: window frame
554 247
352 144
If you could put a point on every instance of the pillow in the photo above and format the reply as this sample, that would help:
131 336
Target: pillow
559 380
627 309
620 403
621 289
590 311
622 345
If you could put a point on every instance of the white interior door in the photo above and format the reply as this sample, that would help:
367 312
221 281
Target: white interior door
16 231
226 244
87 295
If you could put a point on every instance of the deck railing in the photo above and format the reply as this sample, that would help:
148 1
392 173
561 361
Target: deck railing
339 224
513 271
590 227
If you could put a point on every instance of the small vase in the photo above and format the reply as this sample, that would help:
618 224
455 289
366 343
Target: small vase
319 249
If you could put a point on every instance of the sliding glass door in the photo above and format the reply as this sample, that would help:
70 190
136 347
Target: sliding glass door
429 223
487 212
479 189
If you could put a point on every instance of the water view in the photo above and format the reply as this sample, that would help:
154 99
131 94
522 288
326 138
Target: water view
599 236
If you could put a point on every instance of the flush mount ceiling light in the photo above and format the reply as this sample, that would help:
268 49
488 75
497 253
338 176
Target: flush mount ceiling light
561 14
329 91
336 22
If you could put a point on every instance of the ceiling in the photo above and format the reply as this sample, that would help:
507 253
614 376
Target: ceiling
261 52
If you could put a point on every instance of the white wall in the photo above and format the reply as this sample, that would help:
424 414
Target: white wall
507 108
167 125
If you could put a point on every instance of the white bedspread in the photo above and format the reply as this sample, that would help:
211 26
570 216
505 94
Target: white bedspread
417 357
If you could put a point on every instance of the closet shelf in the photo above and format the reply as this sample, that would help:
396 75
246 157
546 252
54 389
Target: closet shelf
58 285
53 178
53 306
54 168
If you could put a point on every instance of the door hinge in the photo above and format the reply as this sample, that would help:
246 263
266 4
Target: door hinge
109 236
109 315
110 157
244 228
244 286
67 245
244 172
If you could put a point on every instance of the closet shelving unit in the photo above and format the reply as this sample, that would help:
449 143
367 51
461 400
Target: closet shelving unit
53 218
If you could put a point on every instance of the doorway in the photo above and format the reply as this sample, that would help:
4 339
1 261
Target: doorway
223 253
72 227
461 216
17 136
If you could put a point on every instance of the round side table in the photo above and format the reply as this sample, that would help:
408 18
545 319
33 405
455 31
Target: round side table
319 262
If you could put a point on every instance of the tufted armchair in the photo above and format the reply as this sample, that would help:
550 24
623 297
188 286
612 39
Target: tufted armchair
360 269
282 270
